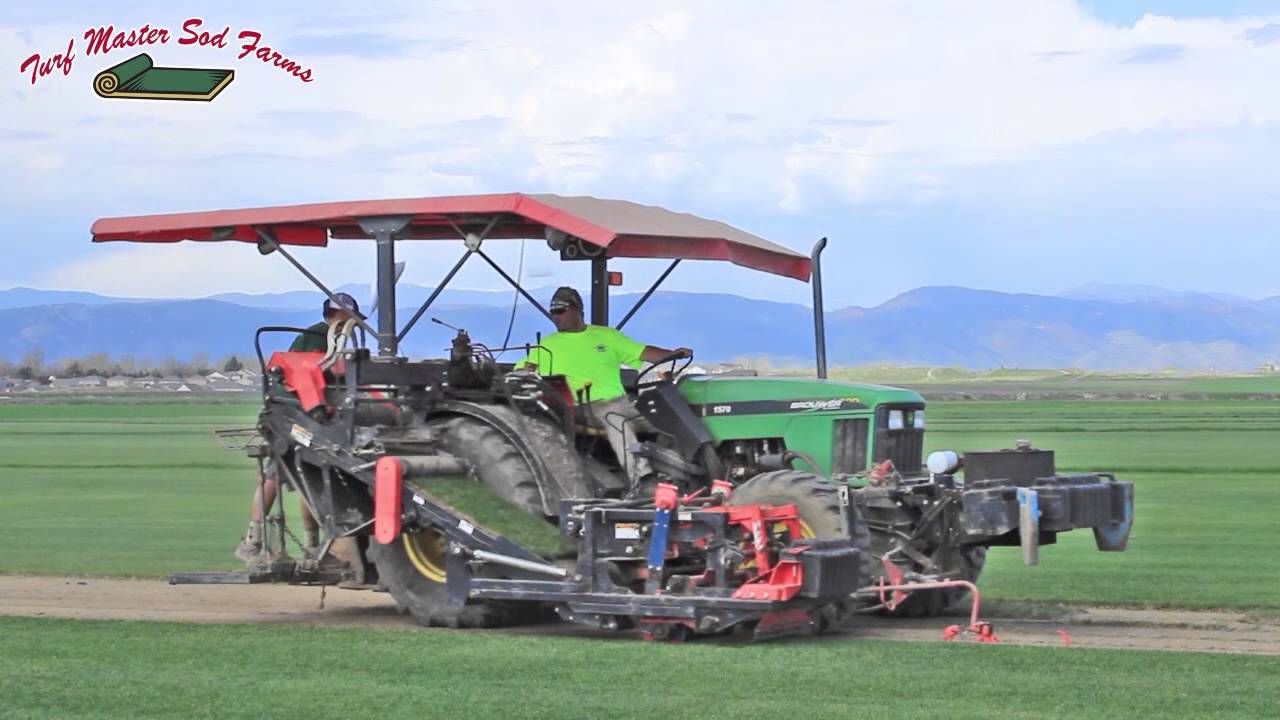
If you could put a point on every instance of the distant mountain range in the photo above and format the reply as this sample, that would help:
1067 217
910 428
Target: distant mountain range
1102 327
1152 293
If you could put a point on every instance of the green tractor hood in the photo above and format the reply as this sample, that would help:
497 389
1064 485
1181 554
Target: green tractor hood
768 395
832 422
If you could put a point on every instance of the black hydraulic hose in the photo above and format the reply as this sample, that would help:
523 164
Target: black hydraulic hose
790 455
515 300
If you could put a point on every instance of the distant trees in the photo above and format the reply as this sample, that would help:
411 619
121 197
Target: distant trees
33 366
761 364
95 363
169 366
34 360
199 365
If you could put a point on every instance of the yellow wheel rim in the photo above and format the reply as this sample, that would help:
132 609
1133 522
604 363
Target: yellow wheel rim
806 532
425 549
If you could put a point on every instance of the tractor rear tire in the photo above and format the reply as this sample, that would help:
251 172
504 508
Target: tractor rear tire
821 514
960 564
499 465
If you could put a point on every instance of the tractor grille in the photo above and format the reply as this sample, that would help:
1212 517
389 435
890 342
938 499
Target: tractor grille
904 447
849 447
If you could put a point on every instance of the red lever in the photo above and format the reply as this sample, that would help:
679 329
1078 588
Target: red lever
665 496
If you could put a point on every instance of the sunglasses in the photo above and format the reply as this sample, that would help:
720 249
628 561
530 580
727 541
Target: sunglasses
559 311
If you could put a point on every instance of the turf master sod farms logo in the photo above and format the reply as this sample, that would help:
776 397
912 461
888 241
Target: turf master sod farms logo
139 78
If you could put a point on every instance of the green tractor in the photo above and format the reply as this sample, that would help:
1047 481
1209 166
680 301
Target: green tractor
474 492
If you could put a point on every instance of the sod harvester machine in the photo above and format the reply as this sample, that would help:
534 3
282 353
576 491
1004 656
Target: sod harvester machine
476 494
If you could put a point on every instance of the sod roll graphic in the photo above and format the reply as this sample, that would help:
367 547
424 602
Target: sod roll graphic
139 78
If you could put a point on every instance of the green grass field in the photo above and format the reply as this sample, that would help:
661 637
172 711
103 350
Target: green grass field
122 489
1207 481
129 670
144 489
946 383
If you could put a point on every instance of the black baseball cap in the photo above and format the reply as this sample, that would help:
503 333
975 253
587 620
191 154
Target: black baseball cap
344 302
566 297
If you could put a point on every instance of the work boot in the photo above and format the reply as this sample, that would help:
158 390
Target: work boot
251 544
312 548
247 551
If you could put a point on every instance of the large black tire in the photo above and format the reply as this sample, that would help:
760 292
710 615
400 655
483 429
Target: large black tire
412 569
815 499
818 505
959 564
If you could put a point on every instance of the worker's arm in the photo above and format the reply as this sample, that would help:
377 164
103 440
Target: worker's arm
630 352
652 354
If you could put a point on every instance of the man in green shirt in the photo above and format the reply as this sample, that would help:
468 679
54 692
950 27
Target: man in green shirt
589 357
336 310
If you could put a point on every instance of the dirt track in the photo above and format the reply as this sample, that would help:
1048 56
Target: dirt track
61 597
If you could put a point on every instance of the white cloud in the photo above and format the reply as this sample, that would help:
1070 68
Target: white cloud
174 270
961 83
728 105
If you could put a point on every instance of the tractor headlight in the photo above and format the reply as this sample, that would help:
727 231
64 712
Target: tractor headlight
917 421
941 462
895 420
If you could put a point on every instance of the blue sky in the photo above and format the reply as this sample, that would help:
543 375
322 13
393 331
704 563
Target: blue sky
1029 146
1127 12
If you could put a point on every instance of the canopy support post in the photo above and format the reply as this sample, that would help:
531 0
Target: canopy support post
434 294
449 277
383 230
268 241
645 298
387 341
513 283
600 290
819 319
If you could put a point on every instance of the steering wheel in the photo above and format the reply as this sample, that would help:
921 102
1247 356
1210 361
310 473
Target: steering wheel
673 358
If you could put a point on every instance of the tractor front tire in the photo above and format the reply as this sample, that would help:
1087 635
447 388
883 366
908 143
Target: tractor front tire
412 567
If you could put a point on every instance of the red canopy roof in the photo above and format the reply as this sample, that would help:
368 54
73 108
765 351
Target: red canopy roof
624 229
